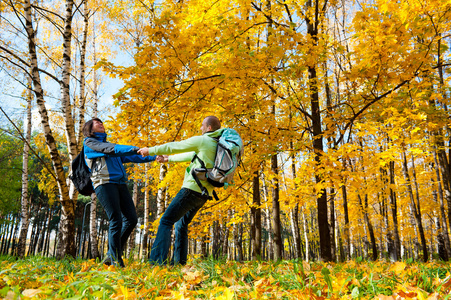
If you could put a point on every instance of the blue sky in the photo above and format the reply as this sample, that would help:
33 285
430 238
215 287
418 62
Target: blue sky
13 103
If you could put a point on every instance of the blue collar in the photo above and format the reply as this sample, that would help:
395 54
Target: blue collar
101 136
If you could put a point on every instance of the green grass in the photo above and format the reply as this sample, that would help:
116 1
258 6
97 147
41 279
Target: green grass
47 278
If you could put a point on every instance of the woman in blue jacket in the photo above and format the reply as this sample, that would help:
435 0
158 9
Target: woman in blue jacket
109 179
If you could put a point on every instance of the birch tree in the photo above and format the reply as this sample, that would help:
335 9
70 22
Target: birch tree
25 221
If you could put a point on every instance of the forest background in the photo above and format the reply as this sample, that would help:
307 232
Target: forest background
342 107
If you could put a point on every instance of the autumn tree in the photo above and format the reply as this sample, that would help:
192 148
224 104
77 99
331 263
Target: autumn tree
50 57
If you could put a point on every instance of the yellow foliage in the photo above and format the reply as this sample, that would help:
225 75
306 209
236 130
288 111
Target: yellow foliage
199 58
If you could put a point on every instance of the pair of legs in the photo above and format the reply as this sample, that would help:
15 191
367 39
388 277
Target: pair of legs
180 212
120 209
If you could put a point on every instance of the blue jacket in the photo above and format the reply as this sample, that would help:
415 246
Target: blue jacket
108 159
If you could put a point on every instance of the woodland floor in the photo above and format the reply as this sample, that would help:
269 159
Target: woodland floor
47 278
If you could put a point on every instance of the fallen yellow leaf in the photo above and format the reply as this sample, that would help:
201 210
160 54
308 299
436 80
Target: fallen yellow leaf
31 292
383 297
398 267
227 295
433 296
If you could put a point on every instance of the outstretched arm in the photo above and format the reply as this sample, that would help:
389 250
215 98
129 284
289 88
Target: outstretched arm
138 158
175 158
110 148
189 145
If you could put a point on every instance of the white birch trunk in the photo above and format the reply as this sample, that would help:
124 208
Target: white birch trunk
66 244
93 219
64 83
132 239
82 97
25 221
268 219
93 227
161 194
307 245
146 215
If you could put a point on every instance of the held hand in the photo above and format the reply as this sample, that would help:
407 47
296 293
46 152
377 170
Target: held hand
143 151
162 158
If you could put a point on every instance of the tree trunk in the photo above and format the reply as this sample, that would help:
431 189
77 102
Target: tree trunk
443 161
321 200
294 215
43 232
256 218
238 241
226 233
277 235
37 235
66 106
132 239
16 236
268 222
364 207
347 234
47 236
443 223
25 221
307 244
394 234
415 206
147 210
102 236
82 101
66 245
93 238
294 218
8 235
203 247
2 237
161 194
346 229
216 232
332 225
65 81
339 243
31 243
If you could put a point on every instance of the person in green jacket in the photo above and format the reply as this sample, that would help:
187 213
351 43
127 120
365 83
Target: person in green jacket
190 198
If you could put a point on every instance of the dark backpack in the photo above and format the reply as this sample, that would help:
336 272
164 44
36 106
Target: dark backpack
228 155
81 175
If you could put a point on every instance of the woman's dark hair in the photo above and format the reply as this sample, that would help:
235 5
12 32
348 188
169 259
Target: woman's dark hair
87 128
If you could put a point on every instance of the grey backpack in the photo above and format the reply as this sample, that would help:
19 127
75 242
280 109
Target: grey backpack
228 156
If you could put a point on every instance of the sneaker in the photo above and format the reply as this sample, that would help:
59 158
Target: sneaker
108 261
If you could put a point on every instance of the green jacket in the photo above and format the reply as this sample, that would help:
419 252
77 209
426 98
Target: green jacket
205 148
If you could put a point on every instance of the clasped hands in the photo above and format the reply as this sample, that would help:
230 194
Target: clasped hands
160 158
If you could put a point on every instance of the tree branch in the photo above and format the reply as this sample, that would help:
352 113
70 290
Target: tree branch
31 148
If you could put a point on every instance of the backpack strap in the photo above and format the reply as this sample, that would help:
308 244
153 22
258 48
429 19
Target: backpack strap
94 160
202 188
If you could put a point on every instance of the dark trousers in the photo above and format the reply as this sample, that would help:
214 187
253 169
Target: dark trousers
121 212
180 212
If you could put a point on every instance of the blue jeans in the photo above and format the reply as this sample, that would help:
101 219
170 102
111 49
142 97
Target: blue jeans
121 212
180 212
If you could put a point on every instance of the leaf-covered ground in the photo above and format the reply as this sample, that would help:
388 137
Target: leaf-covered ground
44 278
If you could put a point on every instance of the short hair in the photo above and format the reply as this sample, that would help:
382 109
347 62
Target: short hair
87 128
213 122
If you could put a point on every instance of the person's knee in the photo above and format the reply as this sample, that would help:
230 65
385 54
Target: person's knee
166 221
116 220
181 228
131 221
